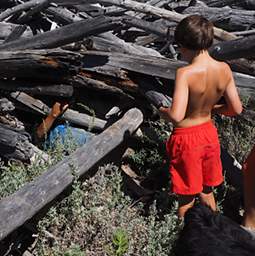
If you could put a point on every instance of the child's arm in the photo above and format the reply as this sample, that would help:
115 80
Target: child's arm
47 123
233 105
177 111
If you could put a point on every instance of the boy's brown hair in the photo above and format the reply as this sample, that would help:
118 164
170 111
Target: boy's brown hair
194 32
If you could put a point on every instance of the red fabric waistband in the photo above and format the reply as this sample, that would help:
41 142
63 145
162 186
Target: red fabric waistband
195 128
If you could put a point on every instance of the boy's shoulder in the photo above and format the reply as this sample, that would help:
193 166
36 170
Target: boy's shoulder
194 68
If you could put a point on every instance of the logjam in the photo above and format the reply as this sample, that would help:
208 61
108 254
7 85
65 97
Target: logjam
18 208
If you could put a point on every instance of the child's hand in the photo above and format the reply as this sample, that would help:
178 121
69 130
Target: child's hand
58 109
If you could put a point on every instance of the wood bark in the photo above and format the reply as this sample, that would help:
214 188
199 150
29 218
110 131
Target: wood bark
16 33
240 48
105 63
21 206
61 90
247 4
19 8
46 65
64 35
7 28
225 17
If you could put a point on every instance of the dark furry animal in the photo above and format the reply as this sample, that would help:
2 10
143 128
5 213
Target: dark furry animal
207 233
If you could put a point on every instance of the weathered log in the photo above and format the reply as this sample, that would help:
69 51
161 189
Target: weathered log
61 90
16 33
14 145
105 41
70 115
105 63
46 65
118 45
43 4
62 15
247 4
21 206
239 48
7 28
225 17
19 8
242 66
161 13
82 81
64 35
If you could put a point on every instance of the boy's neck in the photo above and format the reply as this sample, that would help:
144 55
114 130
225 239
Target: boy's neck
198 56
195 56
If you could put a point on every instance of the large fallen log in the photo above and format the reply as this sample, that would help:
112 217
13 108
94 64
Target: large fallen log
247 4
64 35
46 65
239 48
225 17
113 63
47 89
18 208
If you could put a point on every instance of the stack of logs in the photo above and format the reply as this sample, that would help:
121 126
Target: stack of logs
109 55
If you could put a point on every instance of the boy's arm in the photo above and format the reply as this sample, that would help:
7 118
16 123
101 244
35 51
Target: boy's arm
233 105
177 111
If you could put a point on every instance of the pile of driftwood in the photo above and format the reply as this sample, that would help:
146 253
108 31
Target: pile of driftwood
109 55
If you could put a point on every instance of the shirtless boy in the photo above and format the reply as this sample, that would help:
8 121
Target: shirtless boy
193 147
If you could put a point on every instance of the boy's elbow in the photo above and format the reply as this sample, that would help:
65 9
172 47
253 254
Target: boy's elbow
237 110
177 118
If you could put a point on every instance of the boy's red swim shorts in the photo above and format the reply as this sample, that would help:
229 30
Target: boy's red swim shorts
194 158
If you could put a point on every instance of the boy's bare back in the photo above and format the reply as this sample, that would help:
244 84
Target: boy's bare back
198 88
207 80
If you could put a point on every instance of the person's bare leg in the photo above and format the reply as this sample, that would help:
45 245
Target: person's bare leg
207 197
185 202
249 190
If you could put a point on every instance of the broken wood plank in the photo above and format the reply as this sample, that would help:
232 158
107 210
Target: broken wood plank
64 35
18 208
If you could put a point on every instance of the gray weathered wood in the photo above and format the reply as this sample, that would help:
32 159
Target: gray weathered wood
103 62
64 35
19 8
46 65
61 90
239 48
16 33
21 206
159 12
7 28
225 17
